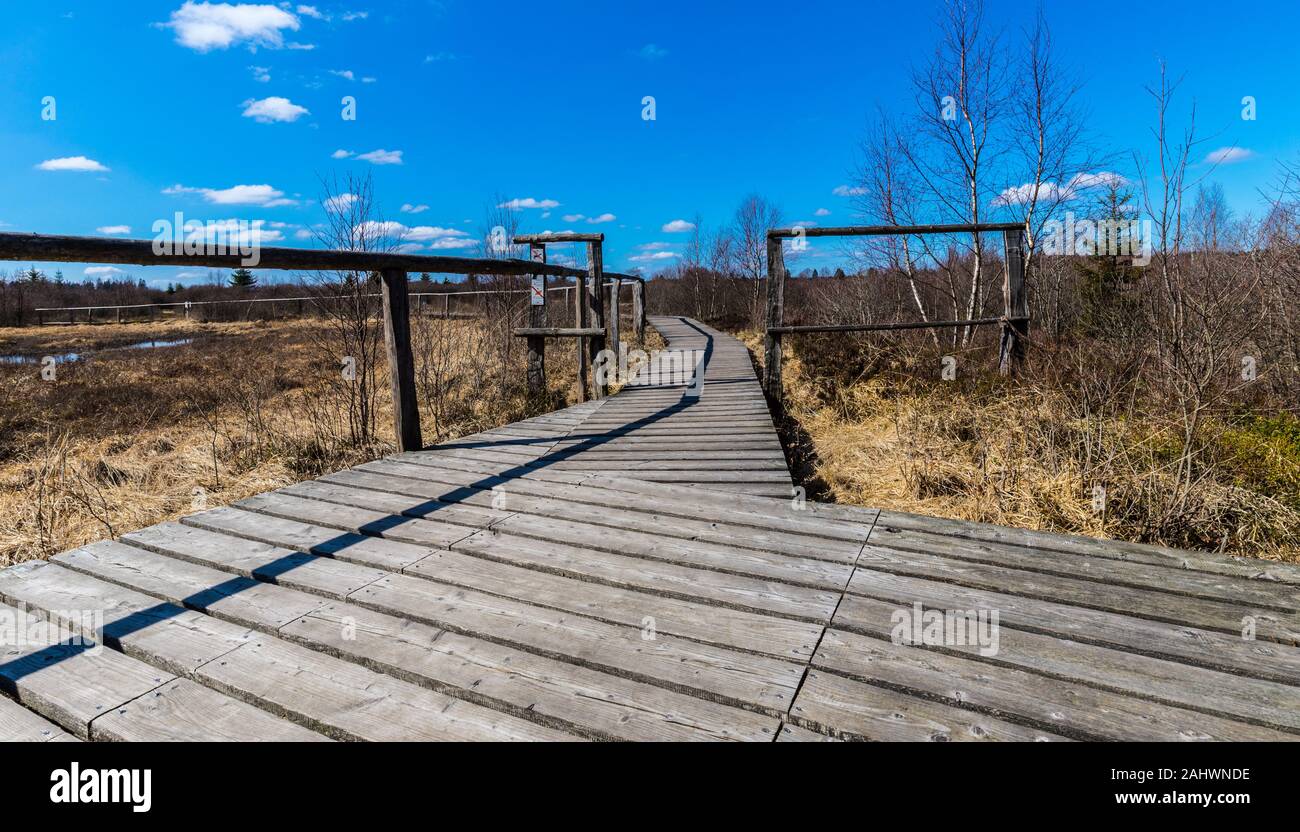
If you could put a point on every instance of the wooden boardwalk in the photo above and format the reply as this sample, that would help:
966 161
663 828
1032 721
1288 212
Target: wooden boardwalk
634 569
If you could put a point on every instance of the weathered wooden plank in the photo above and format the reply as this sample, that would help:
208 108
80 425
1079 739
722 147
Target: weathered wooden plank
184 711
1061 706
1193 645
572 592
1047 542
337 698
70 684
847 708
1211 585
17 724
1270 624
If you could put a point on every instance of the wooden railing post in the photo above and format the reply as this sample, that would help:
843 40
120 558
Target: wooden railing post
775 318
615 335
595 308
638 309
1015 297
537 317
401 364
580 318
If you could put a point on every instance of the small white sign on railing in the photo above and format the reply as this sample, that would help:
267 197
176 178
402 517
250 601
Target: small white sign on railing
538 296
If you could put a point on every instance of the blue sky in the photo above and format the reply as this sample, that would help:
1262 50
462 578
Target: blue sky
543 101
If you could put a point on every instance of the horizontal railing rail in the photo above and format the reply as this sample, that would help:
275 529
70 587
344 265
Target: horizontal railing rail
393 270
1014 321
61 249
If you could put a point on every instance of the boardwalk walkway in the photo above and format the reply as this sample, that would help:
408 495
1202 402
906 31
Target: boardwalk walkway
635 569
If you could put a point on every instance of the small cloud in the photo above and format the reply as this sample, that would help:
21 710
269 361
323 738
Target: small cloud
207 26
273 109
261 74
114 229
822 212
1228 155
651 52
340 154
351 16
601 218
408 208
845 190
344 73
678 226
78 164
382 157
303 234
311 11
574 217
261 195
99 272
369 80
340 202
436 57
652 257
529 202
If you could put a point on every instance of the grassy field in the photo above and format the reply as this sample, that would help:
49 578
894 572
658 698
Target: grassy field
124 438
1019 454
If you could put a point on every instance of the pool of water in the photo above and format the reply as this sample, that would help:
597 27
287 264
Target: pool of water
67 357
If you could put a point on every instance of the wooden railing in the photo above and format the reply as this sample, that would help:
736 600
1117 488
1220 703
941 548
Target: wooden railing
1014 321
392 269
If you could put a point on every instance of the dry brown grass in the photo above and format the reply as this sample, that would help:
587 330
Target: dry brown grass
124 439
1017 456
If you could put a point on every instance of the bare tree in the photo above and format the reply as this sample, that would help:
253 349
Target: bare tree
753 219
351 337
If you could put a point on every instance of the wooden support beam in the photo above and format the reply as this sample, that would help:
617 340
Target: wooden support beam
1015 329
580 319
557 331
638 309
537 319
775 319
888 230
596 311
615 335
401 363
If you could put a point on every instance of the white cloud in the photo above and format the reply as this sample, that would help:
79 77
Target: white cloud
678 226
416 234
273 109
261 74
1228 155
1052 192
340 202
206 26
311 11
114 229
408 208
340 154
574 217
103 271
439 56
79 164
369 80
822 212
845 190
529 202
382 157
651 52
653 257
351 16
262 195
303 234
344 73
453 243
601 218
